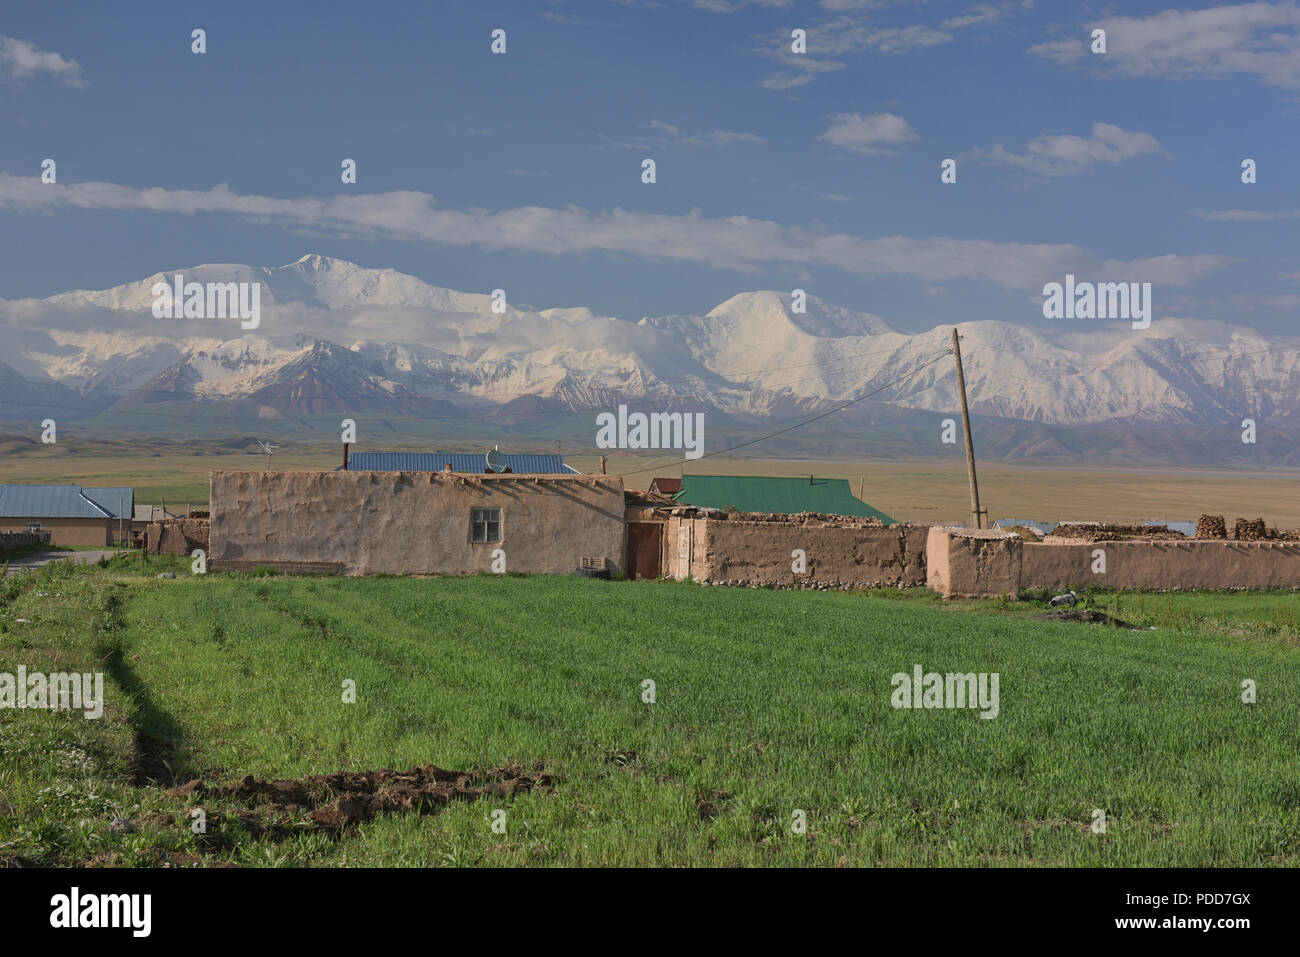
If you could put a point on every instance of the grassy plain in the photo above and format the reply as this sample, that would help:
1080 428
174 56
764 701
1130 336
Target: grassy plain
766 703
919 491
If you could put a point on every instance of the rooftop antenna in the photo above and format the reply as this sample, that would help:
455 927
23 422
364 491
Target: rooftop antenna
268 449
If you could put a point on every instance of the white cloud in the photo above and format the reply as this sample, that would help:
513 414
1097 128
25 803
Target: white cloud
906 39
851 33
809 66
983 13
667 134
872 134
1260 39
851 4
1248 215
732 242
735 6
20 59
1067 155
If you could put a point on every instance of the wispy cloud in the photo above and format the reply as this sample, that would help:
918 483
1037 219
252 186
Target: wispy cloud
852 33
660 134
1068 155
872 134
1260 39
735 6
806 71
733 242
21 60
1248 215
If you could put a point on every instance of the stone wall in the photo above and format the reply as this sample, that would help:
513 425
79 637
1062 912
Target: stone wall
413 522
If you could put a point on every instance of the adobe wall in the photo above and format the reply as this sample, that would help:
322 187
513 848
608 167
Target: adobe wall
838 554
1188 564
967 563
177 536
413 522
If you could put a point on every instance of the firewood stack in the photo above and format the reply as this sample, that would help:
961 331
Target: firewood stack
1211 526
1252 531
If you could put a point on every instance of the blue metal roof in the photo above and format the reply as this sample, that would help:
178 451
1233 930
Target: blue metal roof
113 499
60 501
475 462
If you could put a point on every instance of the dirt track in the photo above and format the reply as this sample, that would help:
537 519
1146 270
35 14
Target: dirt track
40 559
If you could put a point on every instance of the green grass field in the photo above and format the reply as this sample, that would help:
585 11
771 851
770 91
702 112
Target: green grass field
766 703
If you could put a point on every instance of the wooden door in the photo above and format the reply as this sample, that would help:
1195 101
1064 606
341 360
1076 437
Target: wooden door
643 543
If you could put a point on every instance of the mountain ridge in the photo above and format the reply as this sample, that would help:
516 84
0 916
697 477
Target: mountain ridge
334 336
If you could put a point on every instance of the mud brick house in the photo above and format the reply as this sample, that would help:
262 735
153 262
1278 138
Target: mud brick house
143 517
73 515
415 522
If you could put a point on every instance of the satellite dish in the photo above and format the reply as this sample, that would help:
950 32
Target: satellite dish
496 460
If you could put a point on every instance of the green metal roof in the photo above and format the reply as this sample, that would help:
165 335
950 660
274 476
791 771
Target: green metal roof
757 493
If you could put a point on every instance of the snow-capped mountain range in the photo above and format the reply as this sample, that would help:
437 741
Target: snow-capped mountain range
337 337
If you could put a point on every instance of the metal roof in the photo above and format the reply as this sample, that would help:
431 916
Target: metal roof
62 501
475 462
757 493
112 500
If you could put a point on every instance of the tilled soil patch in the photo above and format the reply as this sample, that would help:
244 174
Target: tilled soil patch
337 801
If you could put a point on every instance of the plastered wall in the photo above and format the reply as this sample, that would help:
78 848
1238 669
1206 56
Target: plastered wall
761 553
969 562
413 522
1163 564
966 563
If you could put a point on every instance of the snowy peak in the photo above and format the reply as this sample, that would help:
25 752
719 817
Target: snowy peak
768 311
762 353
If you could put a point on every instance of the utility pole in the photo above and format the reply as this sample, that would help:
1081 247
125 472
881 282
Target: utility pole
975 512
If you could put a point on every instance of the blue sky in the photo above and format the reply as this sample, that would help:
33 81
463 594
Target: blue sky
775 170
